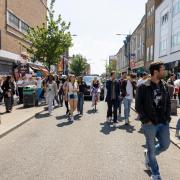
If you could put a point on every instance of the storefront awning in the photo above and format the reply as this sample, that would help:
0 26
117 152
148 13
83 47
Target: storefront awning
8 56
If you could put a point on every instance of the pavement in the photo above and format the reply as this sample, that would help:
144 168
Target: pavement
173 124
15 119
52 148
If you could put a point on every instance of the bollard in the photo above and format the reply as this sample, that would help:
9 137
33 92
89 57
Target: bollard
173 107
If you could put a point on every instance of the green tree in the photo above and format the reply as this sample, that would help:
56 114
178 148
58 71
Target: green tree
78 64
50 41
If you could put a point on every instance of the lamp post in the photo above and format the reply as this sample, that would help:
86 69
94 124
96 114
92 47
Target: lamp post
127 45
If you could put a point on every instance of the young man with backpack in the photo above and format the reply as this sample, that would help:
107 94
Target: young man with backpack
154 106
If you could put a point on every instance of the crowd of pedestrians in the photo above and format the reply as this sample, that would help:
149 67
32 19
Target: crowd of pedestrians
153 105
68 90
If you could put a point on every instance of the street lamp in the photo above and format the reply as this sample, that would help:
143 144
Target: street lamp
127 49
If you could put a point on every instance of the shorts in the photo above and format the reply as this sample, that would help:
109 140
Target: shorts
72 96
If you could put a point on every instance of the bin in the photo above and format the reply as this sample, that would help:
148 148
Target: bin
29 96
173 107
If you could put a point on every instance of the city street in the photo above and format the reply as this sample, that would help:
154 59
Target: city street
51 148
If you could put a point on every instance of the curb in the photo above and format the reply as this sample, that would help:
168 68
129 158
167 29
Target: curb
172 138
19 125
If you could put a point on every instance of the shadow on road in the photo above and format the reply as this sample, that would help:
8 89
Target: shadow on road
106 129
41 116
91 111
77 117
61 117
129 128
64 124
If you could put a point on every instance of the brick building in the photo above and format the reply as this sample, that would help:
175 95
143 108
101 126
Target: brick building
151 6
15 18
137 47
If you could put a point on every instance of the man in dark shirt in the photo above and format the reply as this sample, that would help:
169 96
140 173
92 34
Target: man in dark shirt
153 106
112 98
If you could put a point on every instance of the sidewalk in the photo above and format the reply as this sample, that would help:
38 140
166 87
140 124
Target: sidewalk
17 118
173 123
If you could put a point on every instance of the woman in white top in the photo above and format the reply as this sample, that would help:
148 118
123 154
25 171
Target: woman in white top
72 95
51 92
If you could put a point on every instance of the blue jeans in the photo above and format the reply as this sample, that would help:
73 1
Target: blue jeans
80 102
127 107
39 91
161 132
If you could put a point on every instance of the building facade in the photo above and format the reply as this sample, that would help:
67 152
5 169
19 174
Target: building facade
167 37
15 18
122 62
137 48
150 8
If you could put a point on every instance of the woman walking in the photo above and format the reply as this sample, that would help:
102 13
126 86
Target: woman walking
72 95
51 92
65 89
95 90
8 89
82 87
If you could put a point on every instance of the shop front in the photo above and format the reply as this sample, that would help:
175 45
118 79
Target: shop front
173 67
138 68
7 62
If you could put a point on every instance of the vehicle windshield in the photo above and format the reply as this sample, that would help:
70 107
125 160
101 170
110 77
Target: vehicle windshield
88 79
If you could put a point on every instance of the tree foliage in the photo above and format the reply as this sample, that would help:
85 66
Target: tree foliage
50 40
78 64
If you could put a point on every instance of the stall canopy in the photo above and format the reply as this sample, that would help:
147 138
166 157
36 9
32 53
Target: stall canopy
37 68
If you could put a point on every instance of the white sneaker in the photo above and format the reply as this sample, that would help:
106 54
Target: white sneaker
109 119
156 177
146 161
72 119
115 125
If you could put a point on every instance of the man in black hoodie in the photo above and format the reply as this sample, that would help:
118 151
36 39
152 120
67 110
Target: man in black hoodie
153 106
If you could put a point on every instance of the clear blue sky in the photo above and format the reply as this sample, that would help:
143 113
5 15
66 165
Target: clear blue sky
96 22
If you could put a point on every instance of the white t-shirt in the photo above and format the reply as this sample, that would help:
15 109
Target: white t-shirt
177 83
71 88
129 90
39 83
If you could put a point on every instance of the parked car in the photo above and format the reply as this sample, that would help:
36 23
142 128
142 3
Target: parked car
88 80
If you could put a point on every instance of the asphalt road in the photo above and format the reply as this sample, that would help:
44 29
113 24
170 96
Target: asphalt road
51 148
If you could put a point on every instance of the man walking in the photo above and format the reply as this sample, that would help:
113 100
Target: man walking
127 92
153 106
122 79
112 98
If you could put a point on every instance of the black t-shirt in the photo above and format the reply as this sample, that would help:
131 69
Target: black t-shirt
157 100
82 87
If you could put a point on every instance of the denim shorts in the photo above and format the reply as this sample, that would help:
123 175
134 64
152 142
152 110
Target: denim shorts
72 96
